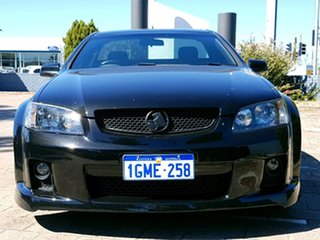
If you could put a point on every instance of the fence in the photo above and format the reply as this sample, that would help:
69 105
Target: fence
21 82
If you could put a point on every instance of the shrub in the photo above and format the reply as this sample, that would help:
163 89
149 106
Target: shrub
298 94
278 62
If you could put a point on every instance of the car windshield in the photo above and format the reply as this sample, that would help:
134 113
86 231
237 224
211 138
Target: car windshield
153 49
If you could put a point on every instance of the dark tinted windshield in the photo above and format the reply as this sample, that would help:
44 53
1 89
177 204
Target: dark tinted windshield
153 49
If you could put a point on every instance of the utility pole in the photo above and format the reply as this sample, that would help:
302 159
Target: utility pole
139 14
271 21
295 50
227 26
316 41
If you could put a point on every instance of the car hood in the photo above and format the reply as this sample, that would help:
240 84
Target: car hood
156 87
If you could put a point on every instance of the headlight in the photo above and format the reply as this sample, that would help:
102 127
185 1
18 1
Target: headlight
261 115
49 118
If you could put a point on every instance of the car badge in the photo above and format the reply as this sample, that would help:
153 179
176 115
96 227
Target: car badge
157 122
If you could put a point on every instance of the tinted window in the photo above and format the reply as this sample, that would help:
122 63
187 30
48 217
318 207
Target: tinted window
141 49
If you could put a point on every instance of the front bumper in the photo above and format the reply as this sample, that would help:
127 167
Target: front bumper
73 158
28 201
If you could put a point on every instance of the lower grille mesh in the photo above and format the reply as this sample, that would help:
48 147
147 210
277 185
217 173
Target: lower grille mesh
202 187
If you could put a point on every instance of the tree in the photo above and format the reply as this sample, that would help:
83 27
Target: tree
79 30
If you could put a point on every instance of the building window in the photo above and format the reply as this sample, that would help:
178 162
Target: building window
19 60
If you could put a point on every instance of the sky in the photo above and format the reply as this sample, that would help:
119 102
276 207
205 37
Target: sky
35 18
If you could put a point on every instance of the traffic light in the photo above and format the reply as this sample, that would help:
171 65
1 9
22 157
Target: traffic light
289 47
302 48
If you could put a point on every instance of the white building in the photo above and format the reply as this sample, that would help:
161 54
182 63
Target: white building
163 17
16 53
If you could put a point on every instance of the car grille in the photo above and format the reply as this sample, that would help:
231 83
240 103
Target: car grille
202 187
134 121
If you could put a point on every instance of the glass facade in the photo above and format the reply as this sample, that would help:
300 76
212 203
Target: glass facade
16 60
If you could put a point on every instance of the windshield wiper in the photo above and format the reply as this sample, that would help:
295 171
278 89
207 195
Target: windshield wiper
213 64
146 64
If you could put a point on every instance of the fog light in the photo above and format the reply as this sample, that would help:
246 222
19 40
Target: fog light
42 171
273 164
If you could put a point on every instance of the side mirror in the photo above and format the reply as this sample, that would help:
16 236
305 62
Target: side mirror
50 69
258 65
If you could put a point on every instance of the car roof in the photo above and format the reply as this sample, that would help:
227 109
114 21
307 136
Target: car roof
155 31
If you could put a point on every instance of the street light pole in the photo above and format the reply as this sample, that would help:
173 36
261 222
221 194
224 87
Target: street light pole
316 41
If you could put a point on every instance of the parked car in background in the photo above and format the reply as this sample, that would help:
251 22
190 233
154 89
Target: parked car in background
7 69
156 121
32 69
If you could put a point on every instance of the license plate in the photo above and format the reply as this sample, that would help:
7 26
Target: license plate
158 167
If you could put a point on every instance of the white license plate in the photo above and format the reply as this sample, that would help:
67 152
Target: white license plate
158 167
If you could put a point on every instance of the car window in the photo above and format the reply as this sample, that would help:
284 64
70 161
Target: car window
142 49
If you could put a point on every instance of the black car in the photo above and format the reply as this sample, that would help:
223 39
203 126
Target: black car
156 121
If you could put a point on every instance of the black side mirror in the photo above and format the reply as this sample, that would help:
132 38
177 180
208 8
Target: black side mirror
258 65
50 69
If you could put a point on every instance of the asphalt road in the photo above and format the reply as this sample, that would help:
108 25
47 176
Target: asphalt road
299 222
